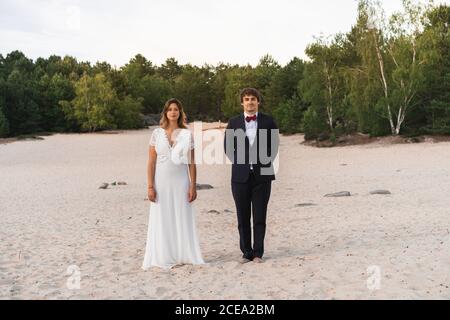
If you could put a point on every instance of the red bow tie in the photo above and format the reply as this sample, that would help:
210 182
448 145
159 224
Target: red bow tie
250 118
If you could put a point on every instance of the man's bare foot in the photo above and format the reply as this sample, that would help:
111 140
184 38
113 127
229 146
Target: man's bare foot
244 260
258 260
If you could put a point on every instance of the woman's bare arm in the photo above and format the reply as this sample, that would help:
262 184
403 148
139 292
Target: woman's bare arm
151 166
193 175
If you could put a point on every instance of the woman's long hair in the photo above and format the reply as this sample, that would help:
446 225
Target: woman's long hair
164 122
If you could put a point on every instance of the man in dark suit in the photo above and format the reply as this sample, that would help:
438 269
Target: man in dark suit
251 143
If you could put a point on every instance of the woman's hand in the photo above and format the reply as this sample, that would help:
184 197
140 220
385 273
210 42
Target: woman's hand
192 193
151 194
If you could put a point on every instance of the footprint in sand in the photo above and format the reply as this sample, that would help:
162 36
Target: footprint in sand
6 282
160 291
15 289
115 269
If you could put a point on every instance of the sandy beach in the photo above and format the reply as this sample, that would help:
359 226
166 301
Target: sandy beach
55 220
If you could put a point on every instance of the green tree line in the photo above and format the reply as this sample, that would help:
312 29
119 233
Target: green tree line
387 75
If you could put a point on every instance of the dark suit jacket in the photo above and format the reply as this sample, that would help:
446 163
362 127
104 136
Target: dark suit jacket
267 144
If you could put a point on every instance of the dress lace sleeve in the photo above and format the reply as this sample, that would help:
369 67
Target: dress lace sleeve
152 141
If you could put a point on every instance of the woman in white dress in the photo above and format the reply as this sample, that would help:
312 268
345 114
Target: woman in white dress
171 177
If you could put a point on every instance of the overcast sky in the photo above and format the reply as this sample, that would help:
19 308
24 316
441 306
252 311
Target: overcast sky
196 31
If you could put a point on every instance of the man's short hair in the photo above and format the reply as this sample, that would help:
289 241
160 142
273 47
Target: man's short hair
250 92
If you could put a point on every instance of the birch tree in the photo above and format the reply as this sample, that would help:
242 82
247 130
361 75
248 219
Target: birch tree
375 27
394 43
407 75
326 56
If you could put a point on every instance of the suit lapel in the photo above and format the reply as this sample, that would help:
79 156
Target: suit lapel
242 122
242 126
259 125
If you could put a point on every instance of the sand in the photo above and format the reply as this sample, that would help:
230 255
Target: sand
55 220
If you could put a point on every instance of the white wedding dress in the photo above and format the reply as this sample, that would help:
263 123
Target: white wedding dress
172 236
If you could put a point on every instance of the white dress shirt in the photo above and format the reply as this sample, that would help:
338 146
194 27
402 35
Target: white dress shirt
250 131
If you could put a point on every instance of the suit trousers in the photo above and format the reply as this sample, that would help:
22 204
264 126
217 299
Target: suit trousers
251 199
